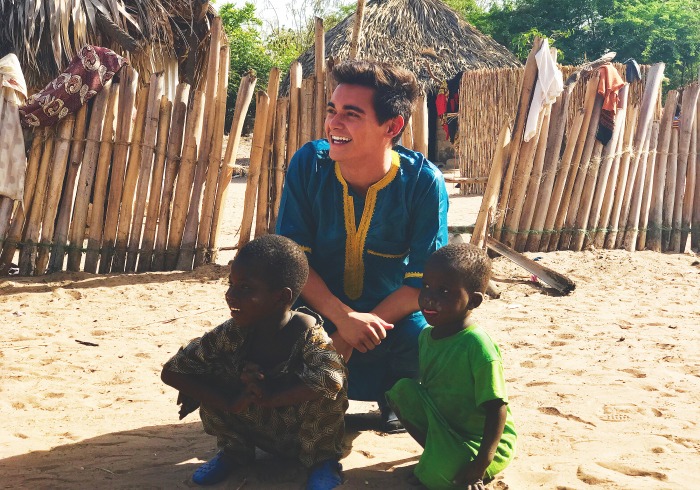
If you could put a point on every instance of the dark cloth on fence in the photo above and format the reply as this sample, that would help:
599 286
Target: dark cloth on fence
84 78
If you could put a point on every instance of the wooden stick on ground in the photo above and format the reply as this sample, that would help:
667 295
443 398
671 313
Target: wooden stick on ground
262 101
548 276
154 196
95 228
175 137
58 173
127 97
245 95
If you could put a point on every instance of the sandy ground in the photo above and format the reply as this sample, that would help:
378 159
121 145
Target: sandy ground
604 383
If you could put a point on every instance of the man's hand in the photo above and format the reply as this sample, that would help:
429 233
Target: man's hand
363 331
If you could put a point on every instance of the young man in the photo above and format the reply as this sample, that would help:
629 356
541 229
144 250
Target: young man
368 214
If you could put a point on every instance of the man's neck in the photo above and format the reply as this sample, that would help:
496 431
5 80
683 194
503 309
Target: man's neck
361 175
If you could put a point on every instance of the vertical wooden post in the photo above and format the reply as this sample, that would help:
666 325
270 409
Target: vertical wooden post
204 253
58 172
670 192
154 199
85 180
661 164
245 95
307 110
262 101
407 135
175 137
420 126
183 188
648 184
295 100
262 212
632 233
320 65
695 219
278 158
357 29
146 168
127 97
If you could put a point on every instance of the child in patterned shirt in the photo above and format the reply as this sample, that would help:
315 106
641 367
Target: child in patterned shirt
268 377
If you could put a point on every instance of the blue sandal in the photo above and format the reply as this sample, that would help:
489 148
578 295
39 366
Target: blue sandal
327 475
214 471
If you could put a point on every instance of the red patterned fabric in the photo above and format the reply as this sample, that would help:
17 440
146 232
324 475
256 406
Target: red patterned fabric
85 76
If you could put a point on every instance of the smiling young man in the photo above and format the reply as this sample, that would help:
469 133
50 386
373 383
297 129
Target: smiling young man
368 213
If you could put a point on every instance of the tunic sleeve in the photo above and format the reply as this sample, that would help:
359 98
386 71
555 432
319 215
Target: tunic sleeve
295 219
429 226
323 369
200 355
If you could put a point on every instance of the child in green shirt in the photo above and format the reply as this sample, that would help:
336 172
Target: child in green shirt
458 410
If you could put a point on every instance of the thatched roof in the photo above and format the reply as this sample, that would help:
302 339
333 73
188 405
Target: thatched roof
46 34
413 34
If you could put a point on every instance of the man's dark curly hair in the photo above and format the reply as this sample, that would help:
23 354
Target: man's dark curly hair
470 262
279 261
396 89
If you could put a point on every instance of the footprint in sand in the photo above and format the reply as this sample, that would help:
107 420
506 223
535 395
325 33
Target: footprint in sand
630 471
557 343
634 372
620 413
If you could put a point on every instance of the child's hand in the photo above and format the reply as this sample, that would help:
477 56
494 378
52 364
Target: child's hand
253 382
471 476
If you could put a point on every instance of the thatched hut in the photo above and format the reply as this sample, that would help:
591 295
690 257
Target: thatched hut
155 35
424 36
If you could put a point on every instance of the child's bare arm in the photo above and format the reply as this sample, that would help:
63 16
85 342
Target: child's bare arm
201 389
496 411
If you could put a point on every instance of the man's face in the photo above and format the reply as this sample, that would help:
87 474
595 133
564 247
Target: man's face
351 125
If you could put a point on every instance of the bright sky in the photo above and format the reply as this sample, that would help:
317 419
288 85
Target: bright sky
272 12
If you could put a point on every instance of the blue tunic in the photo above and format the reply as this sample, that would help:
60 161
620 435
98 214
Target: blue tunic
367 247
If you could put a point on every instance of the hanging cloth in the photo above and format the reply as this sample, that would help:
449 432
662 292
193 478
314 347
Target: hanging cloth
550 83
441 105
13 160
84 78
632 72
609 84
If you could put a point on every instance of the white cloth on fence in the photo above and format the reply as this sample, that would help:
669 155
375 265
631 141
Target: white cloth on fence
13 160
550 83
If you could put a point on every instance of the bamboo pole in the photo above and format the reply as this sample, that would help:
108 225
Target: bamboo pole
129 185
27 254
154 196
526 89
204 252
55 184
294 109
278 158
262 213
632 233
670 192
690 101
521 177
245 95
357 29
580 229
95 227
145 169
320 66
86 178
695 219
262 102
623 175
646 115
687 214
6 205
14 234
125 122
175 137
590 103
560 182
489 201
306 116
661 165
652 155
407 135
603 184
582 175
533 185
183 188
557 126
420 126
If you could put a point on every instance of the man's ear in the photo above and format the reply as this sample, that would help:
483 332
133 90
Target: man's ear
396 124
475 299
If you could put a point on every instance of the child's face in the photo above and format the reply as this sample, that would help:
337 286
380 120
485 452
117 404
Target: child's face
250 298
443 300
